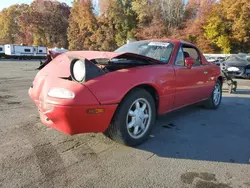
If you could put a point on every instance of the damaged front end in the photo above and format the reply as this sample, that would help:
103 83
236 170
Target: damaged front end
62 94
84 66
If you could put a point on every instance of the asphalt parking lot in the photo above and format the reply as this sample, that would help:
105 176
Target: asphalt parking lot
192 147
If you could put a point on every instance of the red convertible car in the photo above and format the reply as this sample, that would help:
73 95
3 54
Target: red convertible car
120 93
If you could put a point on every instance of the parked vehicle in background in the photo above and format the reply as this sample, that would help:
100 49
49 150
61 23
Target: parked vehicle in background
24 52
216 58
227 75
52 53
2 51
120 93
238 65
213 60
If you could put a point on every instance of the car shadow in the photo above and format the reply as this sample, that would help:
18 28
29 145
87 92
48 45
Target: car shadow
195 133
242 91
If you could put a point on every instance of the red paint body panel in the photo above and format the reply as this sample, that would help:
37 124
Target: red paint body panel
161 77
69 115
175 86
75 120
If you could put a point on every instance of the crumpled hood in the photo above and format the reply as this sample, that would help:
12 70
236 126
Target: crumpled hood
108 55
60 66
237 63
93 54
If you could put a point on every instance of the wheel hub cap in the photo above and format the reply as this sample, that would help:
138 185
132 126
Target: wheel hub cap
138 118
217 94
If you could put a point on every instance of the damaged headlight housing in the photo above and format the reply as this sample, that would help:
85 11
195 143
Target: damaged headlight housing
79 71
82 70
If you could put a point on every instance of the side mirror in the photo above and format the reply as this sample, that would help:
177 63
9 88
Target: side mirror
189 62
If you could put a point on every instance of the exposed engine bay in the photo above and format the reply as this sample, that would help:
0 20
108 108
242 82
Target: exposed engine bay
82 70
98 67
108 65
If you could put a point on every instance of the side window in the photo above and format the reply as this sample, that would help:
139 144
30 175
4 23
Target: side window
192 52
180 58
27 50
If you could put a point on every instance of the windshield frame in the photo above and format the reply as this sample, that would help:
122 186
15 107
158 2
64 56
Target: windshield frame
153 41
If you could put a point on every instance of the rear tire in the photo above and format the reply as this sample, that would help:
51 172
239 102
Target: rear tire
135 114
214 100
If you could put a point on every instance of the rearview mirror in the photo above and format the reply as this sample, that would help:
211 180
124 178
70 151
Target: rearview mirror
189 62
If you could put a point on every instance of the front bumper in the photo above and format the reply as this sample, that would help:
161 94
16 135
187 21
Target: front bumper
70 116
75 120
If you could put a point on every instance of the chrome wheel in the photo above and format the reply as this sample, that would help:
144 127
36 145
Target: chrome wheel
138 118
217 94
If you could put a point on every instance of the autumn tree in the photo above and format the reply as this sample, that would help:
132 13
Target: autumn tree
150 21
49 20
104 35
4 36
9 23
41 23
172 12
228 26
26 27
103 6
214 26
218 31
143 10
192 29
237 15
123 20
82 26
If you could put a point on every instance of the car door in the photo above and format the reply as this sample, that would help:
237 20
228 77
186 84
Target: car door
189 82
205 73
209 72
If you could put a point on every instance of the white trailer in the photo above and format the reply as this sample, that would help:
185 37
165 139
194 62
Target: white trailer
24 52
40 52
18 50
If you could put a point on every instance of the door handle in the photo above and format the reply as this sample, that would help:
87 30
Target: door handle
205 72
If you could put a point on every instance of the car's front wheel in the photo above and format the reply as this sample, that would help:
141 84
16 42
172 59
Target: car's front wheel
134 118
215 99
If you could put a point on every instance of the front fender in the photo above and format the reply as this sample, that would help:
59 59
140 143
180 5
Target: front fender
112 87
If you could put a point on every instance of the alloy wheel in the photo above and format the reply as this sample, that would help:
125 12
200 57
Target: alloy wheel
138 118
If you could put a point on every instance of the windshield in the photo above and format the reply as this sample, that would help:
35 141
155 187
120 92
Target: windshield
157 50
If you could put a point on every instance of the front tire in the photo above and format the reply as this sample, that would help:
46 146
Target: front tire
214 100
134 119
